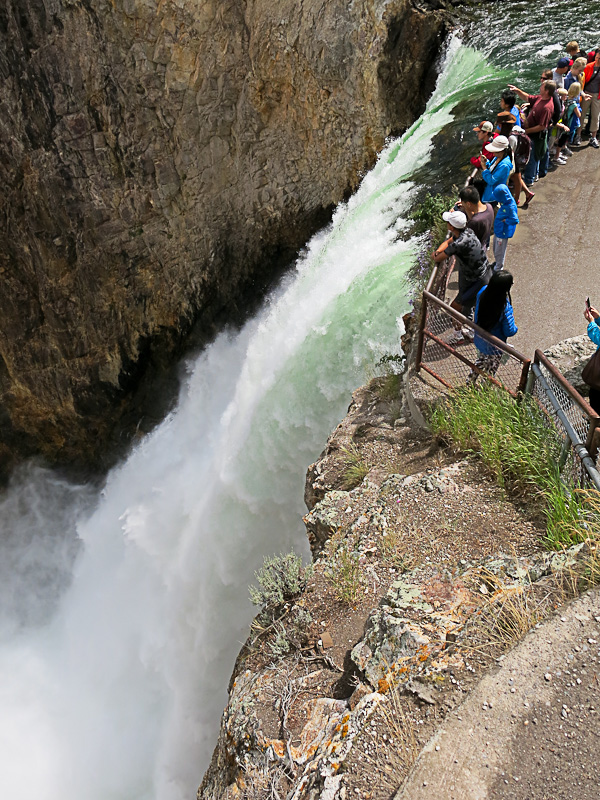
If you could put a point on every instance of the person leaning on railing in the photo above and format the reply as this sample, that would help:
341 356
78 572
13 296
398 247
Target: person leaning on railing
593 331
473 268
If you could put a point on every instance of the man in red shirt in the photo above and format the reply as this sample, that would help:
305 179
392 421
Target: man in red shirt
591 98
539 119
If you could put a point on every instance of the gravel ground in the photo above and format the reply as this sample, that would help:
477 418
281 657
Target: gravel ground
529 731
555 756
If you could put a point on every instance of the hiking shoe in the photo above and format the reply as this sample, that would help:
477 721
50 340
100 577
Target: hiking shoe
457 338
594 142
468 334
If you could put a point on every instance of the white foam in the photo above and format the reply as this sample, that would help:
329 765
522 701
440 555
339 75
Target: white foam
119 695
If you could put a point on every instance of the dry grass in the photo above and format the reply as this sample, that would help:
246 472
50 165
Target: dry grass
401 728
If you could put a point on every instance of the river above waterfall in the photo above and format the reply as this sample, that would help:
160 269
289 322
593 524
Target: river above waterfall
123 609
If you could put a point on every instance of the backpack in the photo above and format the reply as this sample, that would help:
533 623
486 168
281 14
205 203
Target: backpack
568 116
523 147
556 115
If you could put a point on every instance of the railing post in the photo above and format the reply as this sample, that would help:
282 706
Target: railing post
525 374
421 336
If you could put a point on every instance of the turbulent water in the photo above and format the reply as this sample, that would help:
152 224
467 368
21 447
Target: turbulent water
121 613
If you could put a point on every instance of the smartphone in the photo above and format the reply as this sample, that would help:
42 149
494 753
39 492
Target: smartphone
587 303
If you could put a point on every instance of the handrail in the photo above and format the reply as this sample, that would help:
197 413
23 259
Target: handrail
432 278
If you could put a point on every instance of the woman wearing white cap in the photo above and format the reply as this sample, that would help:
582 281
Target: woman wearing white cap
473 268
498 170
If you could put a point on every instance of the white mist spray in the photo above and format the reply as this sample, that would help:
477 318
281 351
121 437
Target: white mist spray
120 693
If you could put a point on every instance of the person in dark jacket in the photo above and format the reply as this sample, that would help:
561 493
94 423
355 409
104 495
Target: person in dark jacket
505 224
493 313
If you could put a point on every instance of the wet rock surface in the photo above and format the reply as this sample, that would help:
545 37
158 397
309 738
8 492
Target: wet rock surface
160 162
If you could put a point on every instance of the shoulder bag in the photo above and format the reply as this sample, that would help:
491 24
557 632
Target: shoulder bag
591 371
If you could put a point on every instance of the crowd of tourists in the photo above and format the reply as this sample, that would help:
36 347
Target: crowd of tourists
531 135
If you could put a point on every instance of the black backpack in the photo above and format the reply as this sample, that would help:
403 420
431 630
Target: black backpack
557 109
523 148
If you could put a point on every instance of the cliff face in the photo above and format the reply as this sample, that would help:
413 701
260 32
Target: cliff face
159 160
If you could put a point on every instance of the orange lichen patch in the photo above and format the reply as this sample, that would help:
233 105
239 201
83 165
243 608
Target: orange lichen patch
344 732
278 746
383 686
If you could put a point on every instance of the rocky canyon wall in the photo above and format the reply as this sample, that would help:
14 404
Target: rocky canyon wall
160 160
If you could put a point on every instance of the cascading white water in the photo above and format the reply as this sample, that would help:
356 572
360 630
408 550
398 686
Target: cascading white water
118 694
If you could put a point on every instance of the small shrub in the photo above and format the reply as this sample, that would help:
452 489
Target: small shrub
279 645
344 573
429 225
281 579
390 388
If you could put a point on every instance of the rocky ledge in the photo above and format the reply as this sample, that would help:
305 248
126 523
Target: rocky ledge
425 575
160 161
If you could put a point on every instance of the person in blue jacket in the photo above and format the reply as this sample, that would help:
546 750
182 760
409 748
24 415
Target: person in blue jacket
593 331
505 223
497 171
493 313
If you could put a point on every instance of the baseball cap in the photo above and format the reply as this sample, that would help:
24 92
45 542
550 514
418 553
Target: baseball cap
484 125
456 218
563 62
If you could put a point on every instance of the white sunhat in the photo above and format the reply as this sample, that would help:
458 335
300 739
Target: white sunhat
455 218
497 145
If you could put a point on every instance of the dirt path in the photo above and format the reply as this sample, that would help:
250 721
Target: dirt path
531 729
555 254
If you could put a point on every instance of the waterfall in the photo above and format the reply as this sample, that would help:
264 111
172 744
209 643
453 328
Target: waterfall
125 608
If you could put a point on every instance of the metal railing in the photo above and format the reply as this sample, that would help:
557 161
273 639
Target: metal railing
574 420
455 365
439 279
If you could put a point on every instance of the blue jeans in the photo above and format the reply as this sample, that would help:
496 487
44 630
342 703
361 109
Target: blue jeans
544 164
531 169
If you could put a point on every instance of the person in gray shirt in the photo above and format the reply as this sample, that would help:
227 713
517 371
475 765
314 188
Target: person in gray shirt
474 270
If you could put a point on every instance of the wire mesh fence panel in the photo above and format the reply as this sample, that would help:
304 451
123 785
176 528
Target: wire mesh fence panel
573 410
449 353
556 394
573 471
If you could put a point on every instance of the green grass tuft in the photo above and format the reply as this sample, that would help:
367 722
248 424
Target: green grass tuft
520 451
356 467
